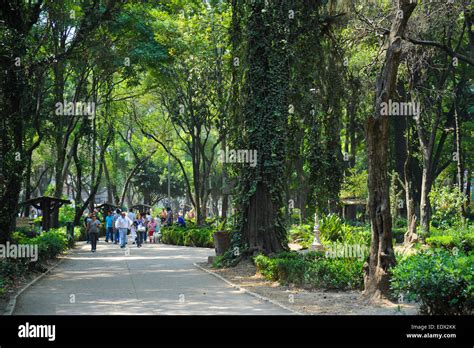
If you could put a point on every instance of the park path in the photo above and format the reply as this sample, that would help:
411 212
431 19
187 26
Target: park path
155 279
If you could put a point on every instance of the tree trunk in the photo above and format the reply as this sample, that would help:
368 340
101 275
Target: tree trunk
410 236
259 232
382 257
265 118
425 206
110 192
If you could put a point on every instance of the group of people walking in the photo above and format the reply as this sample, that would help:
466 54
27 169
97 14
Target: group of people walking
120 226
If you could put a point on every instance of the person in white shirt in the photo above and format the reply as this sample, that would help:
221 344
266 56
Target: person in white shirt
123 224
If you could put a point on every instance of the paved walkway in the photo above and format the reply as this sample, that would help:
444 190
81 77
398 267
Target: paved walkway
155 279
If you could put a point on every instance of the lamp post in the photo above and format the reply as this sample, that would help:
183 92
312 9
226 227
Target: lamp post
317 246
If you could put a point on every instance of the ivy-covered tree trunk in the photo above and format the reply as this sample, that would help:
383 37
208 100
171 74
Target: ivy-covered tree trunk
265 112
382 257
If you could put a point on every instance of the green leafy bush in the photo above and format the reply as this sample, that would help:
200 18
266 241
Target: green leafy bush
355 184
441 281
399 234
50 245
266 266
446 202
184 236
461 238
331 228
66 214
445 241
311 270
301 234
335 274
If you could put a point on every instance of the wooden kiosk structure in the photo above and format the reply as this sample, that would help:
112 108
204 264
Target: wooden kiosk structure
351 206
142 208
47 205
106 207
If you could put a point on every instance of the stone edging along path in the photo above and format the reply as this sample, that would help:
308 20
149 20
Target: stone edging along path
238 287
10 308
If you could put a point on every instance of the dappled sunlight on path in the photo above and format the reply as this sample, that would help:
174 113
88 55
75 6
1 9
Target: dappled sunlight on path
155 279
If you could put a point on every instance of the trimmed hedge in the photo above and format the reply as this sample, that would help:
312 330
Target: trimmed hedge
193 236
441 281
312 270
460 238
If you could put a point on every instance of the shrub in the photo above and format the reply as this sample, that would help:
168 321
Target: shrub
446 202
461 238
311 270
184 236
290 270
399 234
266 267
218 262
445 241
301 234
399 222
50 243
66 214
335 274
440 280
18 237
331 228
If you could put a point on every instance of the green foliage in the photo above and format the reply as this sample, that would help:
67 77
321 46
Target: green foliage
18 237
355 184
185 236
66 214
335 274
399 222
260 123
301 234
218 262
331 228
441 281
461 238
446 202
312 270
398 234
50 245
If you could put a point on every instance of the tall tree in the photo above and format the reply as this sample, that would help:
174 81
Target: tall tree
382 256
264 120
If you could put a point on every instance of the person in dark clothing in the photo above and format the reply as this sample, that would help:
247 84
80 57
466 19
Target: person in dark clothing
169 216
93 231
86 223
